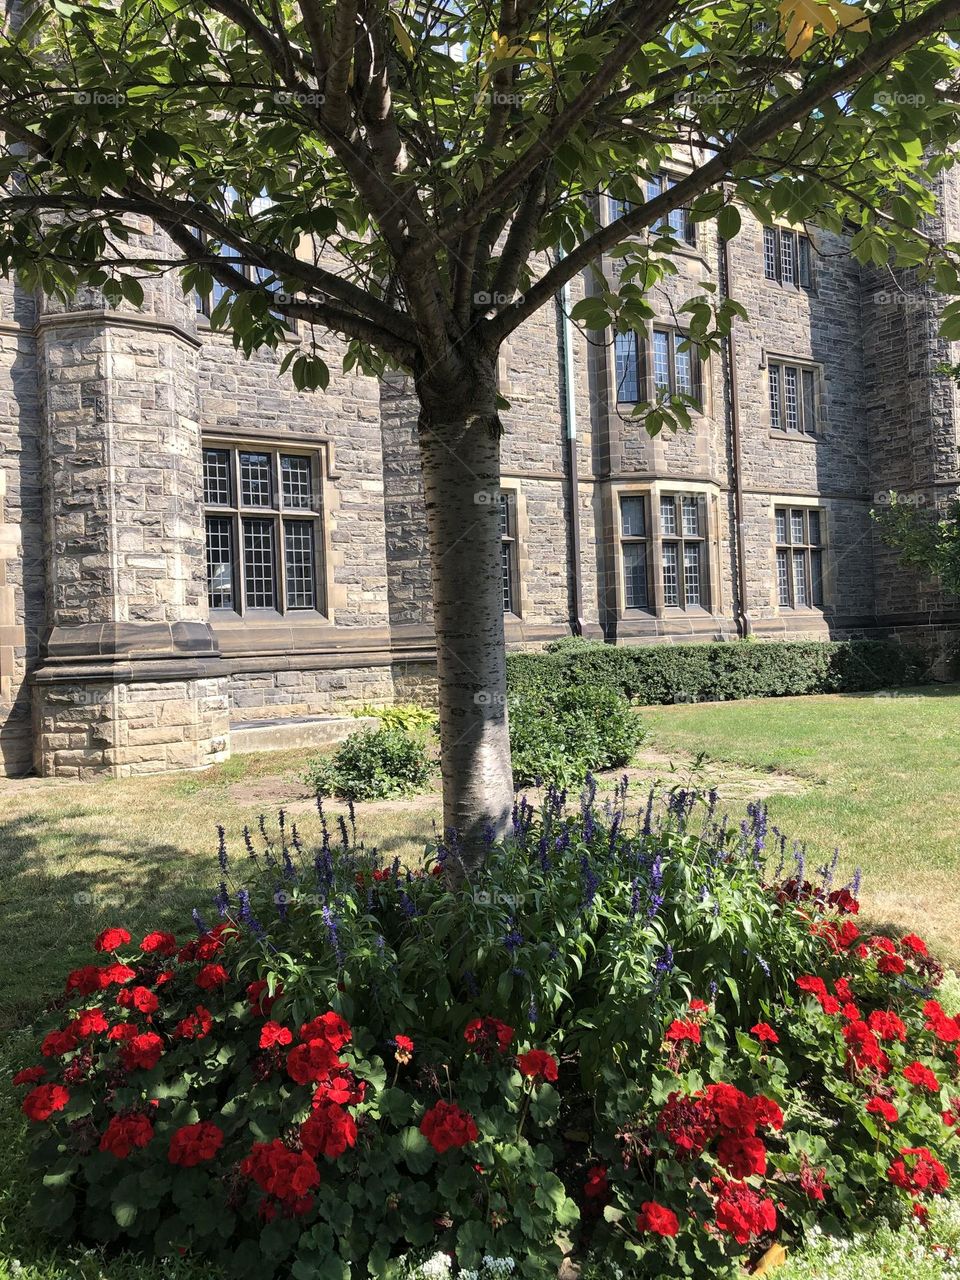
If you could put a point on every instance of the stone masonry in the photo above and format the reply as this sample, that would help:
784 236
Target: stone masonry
117 655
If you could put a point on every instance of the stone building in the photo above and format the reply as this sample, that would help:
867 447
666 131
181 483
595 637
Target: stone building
191 551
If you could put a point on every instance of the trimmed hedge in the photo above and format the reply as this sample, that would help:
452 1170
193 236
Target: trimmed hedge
717 672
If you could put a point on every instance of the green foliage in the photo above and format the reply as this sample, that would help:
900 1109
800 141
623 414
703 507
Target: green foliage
372 764
559 734
710 672
637 958
412 717
928 539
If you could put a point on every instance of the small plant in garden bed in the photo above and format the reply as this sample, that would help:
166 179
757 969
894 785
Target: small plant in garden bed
411 716
632 1036
372 764
559 734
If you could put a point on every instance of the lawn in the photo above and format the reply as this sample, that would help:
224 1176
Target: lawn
882 774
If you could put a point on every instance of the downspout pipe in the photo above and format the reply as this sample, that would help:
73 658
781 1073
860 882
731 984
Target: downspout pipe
744 626
570 444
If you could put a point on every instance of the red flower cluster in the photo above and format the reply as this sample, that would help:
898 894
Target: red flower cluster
42 1102
657 1219
142 1052
597 1185
195 1025
260 1002
288 1176
721 1112
124 1133
89 1022
195 1143
863 1048
445 1126
919 1172
272 1034
887 1026
683 1030
140 998
403 1049
328 1130
742 1212
537 1064
922 1077
212 976
111 940
316 1059
818 989
488 1033
163 944
946 1030
765 1033
885 1110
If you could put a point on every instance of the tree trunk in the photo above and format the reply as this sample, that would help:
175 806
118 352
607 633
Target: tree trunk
461 480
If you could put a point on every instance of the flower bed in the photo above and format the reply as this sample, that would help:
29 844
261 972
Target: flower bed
640 1040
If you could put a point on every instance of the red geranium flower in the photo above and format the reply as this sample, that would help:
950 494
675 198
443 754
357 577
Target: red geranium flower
403 1049
57 1043
742 1155
887 1026
272 1033
885 1110
211 976
124 1133
328 1131
891 965
42 1102
89 1022
597 1185
86 980
445 1126
678 1031
330 1027
261 1003
537 1064
29 1075
313 1061
947 1030
813 1182
489 1033
116 975
142 1051
844 901
111 939
914 944
864 1048
743 1212
287 1175
657 1219
195 1025
195 1143
921 1076
698 1006
765 1033
140 998
164 944
918 1171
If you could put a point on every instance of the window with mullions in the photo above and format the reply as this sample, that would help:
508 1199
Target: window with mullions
683 551
207 303
508 552
798 532
633 549
786 257
793 397
678 220
263 515
673 369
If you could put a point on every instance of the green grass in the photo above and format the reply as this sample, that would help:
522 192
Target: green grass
882 775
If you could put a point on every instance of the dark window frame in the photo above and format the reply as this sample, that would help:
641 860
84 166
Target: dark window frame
509 553
808 550
804 377
643 375
678 536
641 540
788 262
678 219
284 512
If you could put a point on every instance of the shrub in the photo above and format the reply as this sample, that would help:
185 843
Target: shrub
409 716
659 673
631 1036
373 764
560 734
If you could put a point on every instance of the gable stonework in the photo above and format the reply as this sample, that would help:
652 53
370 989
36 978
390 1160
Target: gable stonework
113 662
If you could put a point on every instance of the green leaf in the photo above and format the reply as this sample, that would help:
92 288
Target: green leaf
728 221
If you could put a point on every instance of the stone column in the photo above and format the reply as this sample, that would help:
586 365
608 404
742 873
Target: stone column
128 680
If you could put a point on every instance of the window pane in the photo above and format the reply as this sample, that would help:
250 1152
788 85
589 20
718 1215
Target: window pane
770 253
668 516
299 552
632 517
504 502
295 476
690 516
671 583
255 479
635 574
788 248
506 570
216 477
816 569
813 527
259 573
684 365
220 562
791 399
803 256
691 574
655 187
780 524
809 401
783 578
801 586
776 420
618 208
796 527
628 389
661 360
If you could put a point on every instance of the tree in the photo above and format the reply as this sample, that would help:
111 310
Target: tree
927 538
444 163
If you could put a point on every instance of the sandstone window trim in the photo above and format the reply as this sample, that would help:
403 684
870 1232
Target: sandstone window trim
635 551
656 359
684 555
672 556
794 396
509 553
800 549
788 258
264 529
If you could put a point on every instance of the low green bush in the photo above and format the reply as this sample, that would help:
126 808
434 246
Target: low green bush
410 716
373 764
661 673
558 735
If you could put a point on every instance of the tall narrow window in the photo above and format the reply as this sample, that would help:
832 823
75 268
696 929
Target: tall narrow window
627 351
263 529
787 257
798 534
684 551
661 361
508 552
793 397
633 534
677 220
676 368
